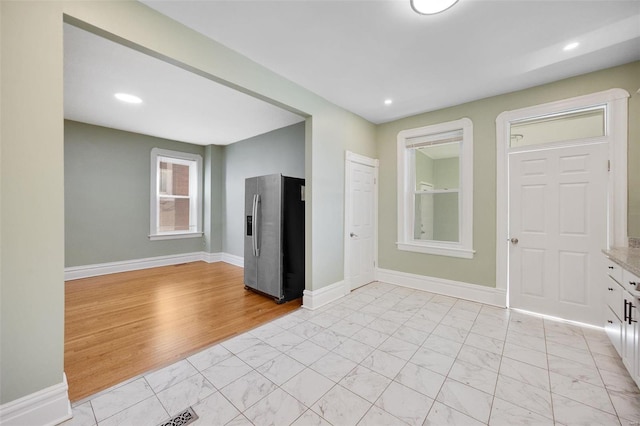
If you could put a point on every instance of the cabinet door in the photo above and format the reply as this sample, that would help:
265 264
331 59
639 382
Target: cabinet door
636 332
633 340
630 282
630 334
613 327
614 270
613 295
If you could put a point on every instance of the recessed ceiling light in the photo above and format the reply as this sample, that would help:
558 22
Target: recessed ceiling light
125 97
571 46
388 101
430 7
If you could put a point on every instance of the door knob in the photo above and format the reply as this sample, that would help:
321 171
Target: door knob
514 240
352 235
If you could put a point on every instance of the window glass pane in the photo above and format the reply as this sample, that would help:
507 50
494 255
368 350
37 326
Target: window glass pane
437 166
174 214
436 217
174 179
568 126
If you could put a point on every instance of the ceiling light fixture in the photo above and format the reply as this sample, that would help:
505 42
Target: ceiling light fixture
388 101
431 7
125 97
571 46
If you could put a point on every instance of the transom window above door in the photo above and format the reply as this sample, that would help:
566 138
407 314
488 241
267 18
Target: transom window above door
435 189
581 124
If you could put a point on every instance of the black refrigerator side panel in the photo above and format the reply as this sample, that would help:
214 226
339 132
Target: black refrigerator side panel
250 260
293 238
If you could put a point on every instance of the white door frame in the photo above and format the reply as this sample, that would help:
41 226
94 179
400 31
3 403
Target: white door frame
616 125
350 158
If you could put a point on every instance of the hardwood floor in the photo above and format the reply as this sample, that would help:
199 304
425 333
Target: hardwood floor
121 325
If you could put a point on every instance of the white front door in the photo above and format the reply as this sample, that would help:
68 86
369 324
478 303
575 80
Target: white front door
557 228
360 221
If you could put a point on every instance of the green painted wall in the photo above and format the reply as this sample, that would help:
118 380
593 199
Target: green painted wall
445 217
279 151
445 209
32 208
446 173
107 190
481 269
107 195
424 168
213 197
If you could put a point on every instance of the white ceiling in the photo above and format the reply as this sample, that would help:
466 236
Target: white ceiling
358 53
354 53
177 104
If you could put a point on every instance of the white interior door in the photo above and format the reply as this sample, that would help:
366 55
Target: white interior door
558 227
360 223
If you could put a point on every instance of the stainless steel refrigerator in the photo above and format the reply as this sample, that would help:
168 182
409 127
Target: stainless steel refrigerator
274 236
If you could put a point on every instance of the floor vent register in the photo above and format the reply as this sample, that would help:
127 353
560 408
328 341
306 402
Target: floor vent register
186 417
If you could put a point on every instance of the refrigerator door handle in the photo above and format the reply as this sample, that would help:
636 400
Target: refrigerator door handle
254 225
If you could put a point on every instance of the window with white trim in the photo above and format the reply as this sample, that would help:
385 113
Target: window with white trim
435 189
176 195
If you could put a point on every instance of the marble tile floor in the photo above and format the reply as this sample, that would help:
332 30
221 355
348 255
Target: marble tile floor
387 355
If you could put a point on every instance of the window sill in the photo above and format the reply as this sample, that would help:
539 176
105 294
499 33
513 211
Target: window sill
438 250
175 236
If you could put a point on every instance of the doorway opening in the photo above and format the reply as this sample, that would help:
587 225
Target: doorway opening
107 188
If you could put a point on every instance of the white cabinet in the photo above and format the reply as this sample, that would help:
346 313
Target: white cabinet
631 334
621 315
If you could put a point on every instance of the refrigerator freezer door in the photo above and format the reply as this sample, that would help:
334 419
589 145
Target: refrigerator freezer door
250 260
269 228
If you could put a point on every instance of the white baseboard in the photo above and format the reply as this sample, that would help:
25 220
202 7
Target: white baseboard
86 271
461 290
210 257
233 259
49 406
313 299
76 272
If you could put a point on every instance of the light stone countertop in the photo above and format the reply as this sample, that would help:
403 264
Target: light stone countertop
628 258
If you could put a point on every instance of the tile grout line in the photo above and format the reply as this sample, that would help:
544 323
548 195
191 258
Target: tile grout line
393 379
495 387
603 383
306 367
590 384
360 364
546 351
